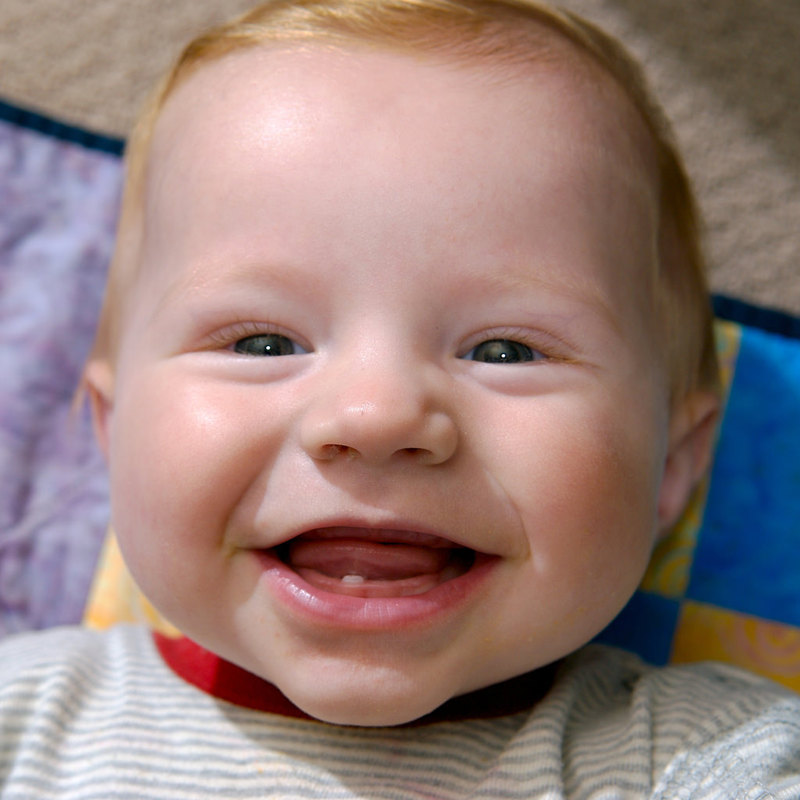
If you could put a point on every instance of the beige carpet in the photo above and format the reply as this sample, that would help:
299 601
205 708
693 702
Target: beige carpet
727 70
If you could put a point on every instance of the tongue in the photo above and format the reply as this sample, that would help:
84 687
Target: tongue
370 561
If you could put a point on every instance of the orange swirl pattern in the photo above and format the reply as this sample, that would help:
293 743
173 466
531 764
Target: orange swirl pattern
761 646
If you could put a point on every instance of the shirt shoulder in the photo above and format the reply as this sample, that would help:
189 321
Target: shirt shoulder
70 654
697 730
72 699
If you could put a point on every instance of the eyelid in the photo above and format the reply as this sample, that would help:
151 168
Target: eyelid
549 346
227 336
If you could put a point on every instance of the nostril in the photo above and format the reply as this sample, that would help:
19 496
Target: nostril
331 451
428 458
417 453
421 455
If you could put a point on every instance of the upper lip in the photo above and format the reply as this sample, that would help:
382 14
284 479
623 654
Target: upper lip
376 530
379 534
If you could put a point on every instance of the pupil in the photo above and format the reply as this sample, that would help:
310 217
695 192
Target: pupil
502 351
265 344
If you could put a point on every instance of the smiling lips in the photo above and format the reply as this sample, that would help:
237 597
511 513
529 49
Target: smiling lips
377 563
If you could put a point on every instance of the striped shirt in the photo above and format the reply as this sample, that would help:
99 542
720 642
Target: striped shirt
101 715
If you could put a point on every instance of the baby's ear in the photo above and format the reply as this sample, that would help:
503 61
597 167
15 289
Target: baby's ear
691 443
98 381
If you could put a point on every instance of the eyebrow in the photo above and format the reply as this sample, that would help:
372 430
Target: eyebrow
515 278
518 279
241 274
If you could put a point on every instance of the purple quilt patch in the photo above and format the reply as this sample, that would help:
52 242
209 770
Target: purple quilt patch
58 209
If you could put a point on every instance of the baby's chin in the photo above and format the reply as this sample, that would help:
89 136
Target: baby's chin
382 699
363 714
390 694
411 703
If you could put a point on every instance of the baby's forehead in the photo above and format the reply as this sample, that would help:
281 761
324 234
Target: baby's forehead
433 134
246 124
299 80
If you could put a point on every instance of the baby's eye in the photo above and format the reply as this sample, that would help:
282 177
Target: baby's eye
503 351
267 344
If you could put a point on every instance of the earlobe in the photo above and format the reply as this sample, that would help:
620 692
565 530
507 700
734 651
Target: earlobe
691 444
98 379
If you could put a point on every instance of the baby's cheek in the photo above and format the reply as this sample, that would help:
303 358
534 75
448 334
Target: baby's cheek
591 501
619 526
179 457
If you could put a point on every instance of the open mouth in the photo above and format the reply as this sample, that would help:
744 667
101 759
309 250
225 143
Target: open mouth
361 562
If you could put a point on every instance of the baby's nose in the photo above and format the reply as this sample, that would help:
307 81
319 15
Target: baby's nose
379 417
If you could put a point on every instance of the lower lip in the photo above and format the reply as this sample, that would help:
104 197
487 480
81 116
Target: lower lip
344 612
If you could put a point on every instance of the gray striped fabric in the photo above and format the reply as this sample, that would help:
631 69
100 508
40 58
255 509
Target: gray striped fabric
87 715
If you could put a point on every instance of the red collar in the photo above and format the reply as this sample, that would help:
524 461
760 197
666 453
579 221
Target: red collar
225 681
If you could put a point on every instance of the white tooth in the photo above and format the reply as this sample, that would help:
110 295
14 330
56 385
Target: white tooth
352 579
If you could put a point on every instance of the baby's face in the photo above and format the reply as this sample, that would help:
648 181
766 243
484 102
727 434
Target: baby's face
387 425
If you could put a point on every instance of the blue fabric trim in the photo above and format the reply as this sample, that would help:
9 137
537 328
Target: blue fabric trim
26 118
646 626
765 319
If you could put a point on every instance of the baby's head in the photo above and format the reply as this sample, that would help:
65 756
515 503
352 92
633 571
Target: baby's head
406 359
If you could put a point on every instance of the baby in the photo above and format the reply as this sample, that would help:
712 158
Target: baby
406 364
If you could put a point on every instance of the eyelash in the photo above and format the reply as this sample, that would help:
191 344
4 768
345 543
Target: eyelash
554 349
230 335
550 350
